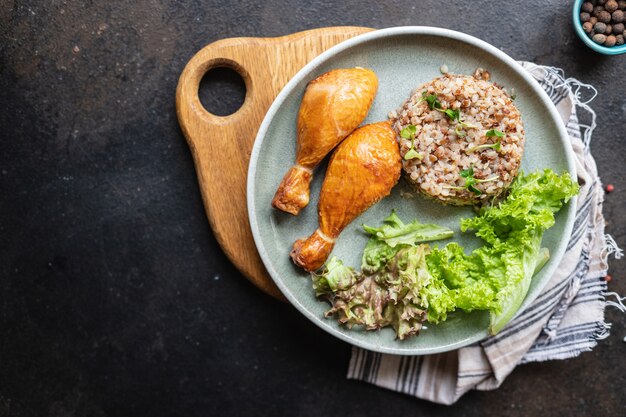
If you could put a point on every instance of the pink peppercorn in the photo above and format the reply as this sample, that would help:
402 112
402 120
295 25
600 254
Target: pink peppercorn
609 188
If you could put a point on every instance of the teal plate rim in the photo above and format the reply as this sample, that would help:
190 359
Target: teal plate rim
355 42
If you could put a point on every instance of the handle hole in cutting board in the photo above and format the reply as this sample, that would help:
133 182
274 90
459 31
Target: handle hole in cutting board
222 91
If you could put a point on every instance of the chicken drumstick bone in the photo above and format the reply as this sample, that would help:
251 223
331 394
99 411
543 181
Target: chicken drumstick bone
334 104
362 170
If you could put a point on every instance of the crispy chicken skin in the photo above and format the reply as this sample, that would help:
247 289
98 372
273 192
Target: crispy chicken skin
362 170
333 105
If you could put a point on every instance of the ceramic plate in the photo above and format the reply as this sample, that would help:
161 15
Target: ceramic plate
402 58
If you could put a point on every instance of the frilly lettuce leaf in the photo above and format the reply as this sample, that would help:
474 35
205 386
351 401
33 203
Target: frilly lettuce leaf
334 277
513 231
403 284
387 240
376 255
529 208
389 297
510 297
394 232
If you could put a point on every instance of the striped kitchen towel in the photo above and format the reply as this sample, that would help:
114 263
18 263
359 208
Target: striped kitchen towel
568 316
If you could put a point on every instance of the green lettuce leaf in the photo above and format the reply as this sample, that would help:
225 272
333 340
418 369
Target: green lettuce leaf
389 297
376 255
510 298
394 232
335 276
513 231
530 207
387 240
403 284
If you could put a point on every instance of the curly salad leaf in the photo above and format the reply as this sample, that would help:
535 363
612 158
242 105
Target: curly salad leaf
394 232
388 239
403 282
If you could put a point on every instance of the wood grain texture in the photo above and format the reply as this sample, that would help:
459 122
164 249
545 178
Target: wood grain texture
221 146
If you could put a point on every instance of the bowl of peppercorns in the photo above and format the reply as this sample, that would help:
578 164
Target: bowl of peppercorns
600 25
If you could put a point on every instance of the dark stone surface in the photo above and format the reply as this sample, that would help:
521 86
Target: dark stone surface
115 298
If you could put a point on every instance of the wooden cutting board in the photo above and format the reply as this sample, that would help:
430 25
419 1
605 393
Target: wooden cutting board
221 146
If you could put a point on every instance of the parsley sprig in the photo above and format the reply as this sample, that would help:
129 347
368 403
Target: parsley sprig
470 181
409 133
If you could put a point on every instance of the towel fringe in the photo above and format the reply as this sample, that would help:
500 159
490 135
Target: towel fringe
604 331
550 335
612 248
576 90
618 303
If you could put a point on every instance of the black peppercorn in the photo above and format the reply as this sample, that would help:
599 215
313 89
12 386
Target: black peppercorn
599 27
619 40
597 10
587 27
604 16
621 4
599 38
601 2
617 16
618 28
611 6
587 7
584 17
610 41
593 20
609 29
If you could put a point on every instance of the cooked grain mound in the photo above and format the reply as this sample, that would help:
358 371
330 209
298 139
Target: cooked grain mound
448 149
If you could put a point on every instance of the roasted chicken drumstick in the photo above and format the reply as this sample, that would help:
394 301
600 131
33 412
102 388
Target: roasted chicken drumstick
362 170
334 104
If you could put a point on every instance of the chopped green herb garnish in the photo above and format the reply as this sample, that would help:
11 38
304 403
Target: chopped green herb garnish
432 100
468 176
408 132
453 114
456 115
495 146
413 154
474 189
470 181
467 173
494 132
462 125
